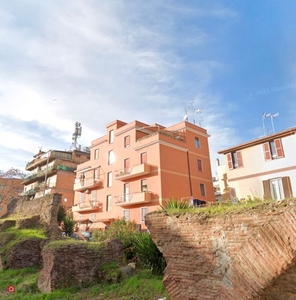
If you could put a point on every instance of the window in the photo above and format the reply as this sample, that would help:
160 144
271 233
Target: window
144 187
234 160
143 213
94 195
111 136
199 165
197 142
109 179
202 188
126 141
126 214
109 202
143 158
126 192
126 165
82 197
111 157
273 149
277 188
92 217
96 156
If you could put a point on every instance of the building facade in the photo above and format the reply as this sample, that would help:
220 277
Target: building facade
53 172
10 188
263 168
134 167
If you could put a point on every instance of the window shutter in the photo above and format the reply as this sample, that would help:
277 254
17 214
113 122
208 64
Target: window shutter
229 161
279 148
239 158
267 153
266 189
287 187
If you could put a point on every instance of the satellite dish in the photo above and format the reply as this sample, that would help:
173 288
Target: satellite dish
185 118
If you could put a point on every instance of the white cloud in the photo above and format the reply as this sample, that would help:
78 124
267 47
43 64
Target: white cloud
101 60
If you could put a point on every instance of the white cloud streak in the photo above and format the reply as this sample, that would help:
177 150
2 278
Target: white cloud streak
101 60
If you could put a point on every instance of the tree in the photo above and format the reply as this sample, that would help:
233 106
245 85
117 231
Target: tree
10 184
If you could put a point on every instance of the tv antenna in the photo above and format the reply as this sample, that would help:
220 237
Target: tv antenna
76 135
193 112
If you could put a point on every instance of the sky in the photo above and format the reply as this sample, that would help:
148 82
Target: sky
95 61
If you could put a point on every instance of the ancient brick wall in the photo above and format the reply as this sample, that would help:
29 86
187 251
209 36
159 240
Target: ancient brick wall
250 255
46 208
75 263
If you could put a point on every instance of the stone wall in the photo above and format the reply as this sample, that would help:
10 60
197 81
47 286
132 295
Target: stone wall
249 255
73 263
24 254
46 208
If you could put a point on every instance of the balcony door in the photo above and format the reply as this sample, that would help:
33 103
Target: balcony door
127 165
276 189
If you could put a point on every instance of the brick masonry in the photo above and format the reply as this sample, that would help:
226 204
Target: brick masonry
249 255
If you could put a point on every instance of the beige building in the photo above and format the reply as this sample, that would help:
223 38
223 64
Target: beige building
264 167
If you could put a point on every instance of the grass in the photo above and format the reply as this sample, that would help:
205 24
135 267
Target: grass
218 209
11 236
142 286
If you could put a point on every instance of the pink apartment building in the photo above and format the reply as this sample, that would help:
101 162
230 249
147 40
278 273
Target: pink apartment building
134 167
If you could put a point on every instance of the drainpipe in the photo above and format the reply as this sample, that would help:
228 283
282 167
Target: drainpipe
46 171
190 185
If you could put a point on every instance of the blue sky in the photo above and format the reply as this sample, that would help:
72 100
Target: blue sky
143 60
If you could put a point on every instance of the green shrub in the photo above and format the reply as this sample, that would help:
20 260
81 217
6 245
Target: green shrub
123 230
68 225
174 204
61 214
148 254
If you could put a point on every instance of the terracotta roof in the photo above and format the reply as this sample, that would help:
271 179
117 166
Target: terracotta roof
260 140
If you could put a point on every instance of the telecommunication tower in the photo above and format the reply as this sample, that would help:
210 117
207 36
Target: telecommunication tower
76 135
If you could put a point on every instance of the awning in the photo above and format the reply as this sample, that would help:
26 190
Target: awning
84 221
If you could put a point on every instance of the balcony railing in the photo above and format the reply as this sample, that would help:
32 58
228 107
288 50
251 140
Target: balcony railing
42 160
131 172
82 184
48 170
135 198
177 135
88 206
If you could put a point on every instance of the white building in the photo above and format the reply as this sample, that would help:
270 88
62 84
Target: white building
265 167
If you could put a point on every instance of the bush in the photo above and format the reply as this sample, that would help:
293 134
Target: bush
123 230
174 204
68 225
148 254
61 214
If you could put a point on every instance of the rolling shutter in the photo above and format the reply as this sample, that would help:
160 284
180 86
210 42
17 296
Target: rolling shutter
267 153
229 161
279 148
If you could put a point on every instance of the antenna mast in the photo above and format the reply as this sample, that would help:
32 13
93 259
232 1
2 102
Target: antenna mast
76 135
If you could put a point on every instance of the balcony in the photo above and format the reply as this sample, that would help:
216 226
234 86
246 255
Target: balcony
132 199
135 171
49 171
90 206
47 157
83 184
